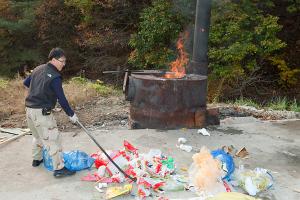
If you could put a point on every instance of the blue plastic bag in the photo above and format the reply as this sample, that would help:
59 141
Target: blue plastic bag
77 160
226 160
47 160
73 160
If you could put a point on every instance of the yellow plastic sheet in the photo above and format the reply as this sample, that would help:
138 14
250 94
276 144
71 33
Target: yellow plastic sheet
117 191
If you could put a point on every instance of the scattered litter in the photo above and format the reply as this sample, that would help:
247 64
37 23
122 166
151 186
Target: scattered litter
184 169
242 153
296 190
98 189
90 178
227 163
229 149
101 171
173 185
186 148
123 122
227 186
203 131
118 191
211 175
253 181
205 173
169 163
182 140
289 153
231 196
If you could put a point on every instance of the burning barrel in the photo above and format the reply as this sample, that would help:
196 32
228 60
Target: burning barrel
175 99
159 102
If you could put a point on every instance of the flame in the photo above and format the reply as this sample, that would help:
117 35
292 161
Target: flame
178 66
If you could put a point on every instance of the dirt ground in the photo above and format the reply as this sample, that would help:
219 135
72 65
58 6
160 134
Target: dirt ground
101 111
272 145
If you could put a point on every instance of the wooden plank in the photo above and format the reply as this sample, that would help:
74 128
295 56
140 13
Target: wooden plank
14 131
12 138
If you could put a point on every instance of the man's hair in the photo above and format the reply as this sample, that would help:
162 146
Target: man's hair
56 53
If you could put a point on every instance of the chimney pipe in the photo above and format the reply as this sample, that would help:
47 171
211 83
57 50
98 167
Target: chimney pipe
199 62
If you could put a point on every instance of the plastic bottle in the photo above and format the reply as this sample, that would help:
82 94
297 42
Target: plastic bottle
186 148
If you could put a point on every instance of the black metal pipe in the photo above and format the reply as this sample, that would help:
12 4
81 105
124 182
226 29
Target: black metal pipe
199 62
111 160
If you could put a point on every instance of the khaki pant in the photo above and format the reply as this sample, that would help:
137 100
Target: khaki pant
45 134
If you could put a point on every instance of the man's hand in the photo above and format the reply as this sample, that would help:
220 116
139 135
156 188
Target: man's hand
74 119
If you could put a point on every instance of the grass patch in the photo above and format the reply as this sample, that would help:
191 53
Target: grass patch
3 83
246 102
80 90
12 97
279 104
276 104
98 86
294 106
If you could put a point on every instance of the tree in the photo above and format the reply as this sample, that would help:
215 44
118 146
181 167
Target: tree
57 27
18 45
104 32
160 25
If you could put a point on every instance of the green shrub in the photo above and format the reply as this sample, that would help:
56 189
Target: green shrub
160 25
241 38
288 76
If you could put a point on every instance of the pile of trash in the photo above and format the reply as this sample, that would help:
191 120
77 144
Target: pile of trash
212 175
154 171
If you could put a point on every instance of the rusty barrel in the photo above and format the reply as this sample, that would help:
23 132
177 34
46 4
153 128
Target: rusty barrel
158 102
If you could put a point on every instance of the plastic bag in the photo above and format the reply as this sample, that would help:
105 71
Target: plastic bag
226 160
205 173
169 162
73 160
77 160
173 185
47 160
253 181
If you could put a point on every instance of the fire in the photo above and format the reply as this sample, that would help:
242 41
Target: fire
178 66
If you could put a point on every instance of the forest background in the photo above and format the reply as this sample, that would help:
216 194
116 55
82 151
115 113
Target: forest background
254 45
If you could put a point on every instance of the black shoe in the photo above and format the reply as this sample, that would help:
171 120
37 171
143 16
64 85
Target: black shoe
63 172
36 163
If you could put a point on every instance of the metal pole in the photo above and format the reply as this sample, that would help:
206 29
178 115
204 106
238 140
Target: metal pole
111 160
199 62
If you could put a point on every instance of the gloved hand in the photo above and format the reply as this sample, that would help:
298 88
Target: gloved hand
74 118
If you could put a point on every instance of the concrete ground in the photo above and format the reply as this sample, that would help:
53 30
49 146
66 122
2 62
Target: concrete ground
272 145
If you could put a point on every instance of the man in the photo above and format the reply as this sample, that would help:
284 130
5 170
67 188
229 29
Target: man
45 88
